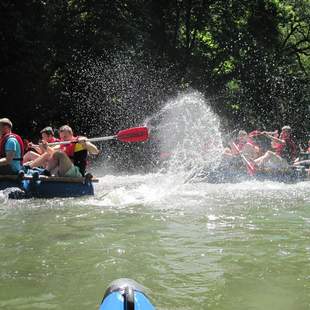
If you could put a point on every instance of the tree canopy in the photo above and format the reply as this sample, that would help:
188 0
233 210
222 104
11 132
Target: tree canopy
250 57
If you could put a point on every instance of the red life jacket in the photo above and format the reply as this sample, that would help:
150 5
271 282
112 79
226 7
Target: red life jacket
52 140
78 158
3 141
287 150
69 148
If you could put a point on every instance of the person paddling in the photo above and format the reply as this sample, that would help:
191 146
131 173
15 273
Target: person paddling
68 160
76 152
11 149
243 144
286 148
285 151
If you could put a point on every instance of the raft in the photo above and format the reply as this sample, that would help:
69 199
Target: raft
125 294
40 186
220 175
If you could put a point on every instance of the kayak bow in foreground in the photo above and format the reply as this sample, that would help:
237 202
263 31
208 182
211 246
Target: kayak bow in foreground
125 294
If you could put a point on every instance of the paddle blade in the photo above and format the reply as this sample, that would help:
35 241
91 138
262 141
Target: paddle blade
136 134
251 170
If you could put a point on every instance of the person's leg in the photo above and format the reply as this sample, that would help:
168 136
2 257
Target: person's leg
275 162
41 161
30 156
60 161
260 162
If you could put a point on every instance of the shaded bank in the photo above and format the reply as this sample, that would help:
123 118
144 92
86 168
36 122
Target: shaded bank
250 57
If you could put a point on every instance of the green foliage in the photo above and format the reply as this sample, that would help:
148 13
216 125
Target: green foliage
253 55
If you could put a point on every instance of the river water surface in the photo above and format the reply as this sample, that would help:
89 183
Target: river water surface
194 245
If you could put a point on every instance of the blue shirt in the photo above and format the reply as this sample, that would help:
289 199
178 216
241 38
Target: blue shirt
12 145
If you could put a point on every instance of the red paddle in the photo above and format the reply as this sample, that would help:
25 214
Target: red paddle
250 167
136 134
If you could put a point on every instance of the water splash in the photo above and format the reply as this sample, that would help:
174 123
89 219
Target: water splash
188 133
117 91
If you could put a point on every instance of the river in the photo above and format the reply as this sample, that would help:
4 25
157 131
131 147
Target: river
195 246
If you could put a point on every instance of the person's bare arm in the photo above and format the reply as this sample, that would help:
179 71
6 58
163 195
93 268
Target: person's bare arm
48 149
35 147
7 160
267 134
91 148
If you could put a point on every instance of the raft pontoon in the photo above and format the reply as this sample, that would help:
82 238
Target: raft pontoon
40 186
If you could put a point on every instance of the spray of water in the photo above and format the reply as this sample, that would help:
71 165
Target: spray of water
117 91
188 134
114 92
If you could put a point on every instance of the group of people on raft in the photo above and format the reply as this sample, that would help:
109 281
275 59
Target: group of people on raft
62 160
70 159
264 150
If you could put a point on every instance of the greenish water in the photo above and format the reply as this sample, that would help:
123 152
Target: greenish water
195 246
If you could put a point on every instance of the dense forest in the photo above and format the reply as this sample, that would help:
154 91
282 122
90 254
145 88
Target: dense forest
88 62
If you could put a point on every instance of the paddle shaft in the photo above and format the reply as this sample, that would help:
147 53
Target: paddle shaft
98 139
136 134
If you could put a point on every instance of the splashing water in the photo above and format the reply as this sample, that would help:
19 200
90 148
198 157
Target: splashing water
188 133
117 91
189 140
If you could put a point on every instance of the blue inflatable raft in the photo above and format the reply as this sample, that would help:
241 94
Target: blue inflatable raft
125 294
39 186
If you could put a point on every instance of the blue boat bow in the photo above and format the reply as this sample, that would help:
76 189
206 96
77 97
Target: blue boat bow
125 294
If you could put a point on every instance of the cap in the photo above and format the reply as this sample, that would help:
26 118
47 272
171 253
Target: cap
48 130
6 121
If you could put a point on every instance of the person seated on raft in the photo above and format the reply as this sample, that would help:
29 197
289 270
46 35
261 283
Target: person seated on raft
308 148
11 149
245 145
285 151
47 135
67 160
263 142
304 159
